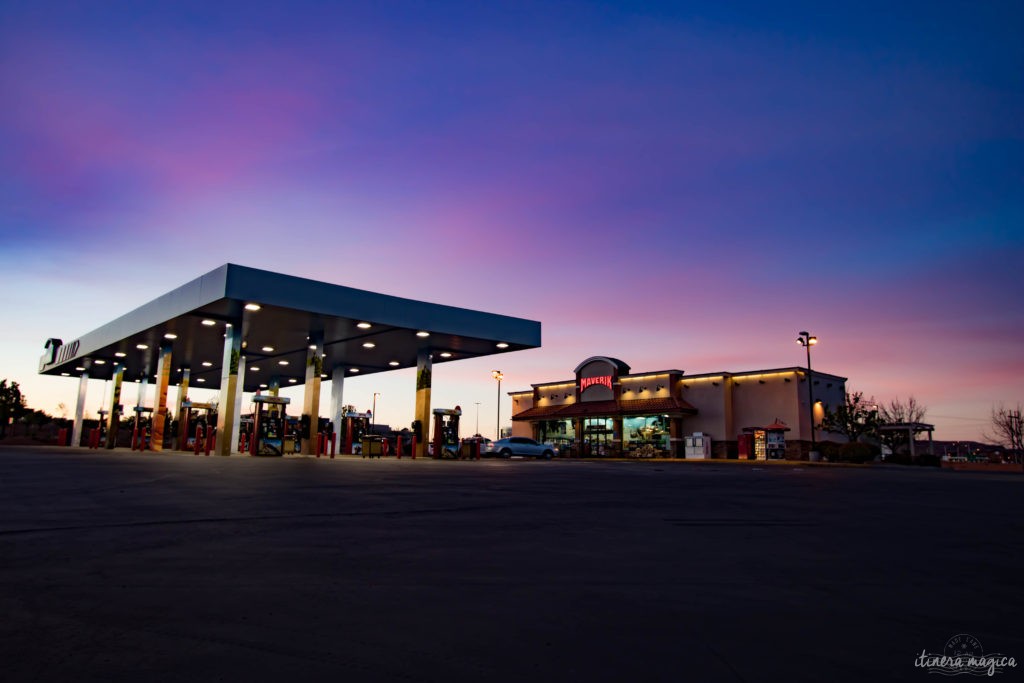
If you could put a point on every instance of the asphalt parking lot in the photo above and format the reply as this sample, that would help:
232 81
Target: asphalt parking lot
125 567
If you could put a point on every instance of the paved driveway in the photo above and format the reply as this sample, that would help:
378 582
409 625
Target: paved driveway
130 567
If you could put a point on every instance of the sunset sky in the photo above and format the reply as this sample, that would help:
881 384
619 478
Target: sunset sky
680 185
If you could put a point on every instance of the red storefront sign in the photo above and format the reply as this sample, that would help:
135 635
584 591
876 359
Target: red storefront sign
603 380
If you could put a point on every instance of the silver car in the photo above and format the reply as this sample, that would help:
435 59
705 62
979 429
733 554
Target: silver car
520 445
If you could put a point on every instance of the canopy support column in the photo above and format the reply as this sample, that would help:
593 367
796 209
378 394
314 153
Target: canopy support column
424 369
83 386
236 424
186 374
311 398
163 379
337 393
228 388
114 416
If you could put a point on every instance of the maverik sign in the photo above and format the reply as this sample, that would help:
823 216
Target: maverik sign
602 380
58 352
598 378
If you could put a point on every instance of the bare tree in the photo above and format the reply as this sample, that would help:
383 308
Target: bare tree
899 412
1007 428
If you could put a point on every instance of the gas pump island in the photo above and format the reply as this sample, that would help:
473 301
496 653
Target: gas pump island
268 437
238 329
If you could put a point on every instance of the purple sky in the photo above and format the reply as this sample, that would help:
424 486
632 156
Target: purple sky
683 186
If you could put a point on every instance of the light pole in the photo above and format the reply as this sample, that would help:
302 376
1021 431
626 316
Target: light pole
496 374
477 417
373 411
807 341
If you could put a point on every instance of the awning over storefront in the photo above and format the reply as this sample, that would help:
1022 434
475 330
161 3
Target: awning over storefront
651 406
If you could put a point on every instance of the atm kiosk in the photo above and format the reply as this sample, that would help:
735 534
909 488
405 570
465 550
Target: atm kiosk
195 418
446 431
268 425
141 427
763 443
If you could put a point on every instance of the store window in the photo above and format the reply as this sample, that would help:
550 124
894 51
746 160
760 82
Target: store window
558 432
645 434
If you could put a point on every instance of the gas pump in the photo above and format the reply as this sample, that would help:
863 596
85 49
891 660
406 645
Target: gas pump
141 427
355 426
101 430
268 425
195 417
446 432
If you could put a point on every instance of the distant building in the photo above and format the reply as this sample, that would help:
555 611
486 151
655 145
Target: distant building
607 410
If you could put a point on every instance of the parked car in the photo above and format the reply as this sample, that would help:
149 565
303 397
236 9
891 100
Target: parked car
520 445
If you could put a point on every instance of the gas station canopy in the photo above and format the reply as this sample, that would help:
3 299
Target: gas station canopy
279 315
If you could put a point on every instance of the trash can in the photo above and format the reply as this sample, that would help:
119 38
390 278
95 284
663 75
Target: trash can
372 447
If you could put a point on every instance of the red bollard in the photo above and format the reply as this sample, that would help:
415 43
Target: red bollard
332 445
385 446
62 436
242 443
211 439
198 439
476 447
413 447
135 436
319 444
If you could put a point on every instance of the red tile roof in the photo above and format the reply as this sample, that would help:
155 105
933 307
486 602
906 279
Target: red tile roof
646 406
649 406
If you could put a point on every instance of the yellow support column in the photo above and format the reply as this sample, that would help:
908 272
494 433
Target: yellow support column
182 437
228 389
311 398
424 369
114 416
163 379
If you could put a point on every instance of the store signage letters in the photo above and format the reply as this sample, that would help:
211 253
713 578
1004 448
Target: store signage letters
603 380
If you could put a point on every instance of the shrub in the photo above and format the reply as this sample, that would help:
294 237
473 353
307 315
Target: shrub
857 452
830 450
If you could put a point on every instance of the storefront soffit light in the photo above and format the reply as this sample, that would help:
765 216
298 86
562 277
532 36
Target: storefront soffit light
254 369
170 335
209 323
120 354
369 345
282 362
364 326
268 349
446 354
142 347
501 345
422 334
394 363
207 364
252 307
353 369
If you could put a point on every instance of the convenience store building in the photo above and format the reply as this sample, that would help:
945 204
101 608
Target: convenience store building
606 409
